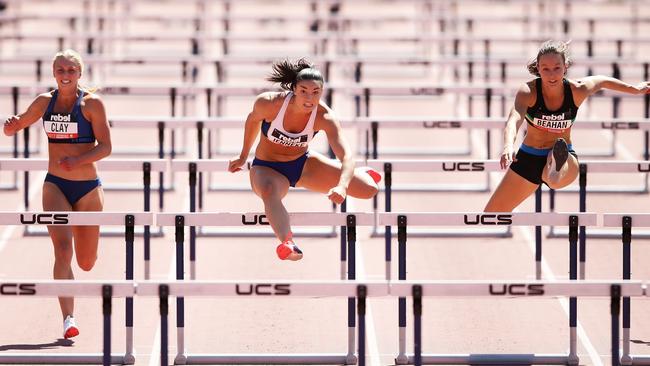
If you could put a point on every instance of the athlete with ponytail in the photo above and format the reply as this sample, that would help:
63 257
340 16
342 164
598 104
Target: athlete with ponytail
288 121
549 105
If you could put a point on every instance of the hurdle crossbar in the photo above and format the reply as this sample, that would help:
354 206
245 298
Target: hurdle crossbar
29 288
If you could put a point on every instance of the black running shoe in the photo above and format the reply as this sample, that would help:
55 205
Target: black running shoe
560 153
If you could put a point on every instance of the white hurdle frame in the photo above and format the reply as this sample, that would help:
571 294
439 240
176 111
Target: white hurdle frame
348 220
146 167
627 222
402 220
85 218
195 168
55 288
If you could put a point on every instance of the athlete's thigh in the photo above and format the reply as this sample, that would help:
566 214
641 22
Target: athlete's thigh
512 191
86 238
319 174
267 182
54 200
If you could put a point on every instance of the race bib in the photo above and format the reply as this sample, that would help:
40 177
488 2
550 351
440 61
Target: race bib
282 139
552 123
61 127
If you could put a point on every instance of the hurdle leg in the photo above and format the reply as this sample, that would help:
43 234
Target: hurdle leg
181 358
626 358
401 358
417 324
362 292
615 307
129 223
107 294
164 334
573 358
351 359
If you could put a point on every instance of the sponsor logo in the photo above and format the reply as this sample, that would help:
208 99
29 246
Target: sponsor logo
427 91
488 219
60 118
282 139
620 125
254 220
45 218
463 166
441 124
643 167
517 289
13 289
263 289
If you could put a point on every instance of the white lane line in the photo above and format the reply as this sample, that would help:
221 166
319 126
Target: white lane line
8 231
371 332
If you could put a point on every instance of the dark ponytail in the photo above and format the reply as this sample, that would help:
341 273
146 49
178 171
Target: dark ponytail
288 73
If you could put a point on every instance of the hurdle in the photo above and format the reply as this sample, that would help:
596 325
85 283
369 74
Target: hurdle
449 166
512 289
626 222
195 168
180 221
86 218
640 166
56 288
309 289
402 220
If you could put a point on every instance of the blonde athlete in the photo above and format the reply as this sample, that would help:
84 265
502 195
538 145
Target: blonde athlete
75 122
549 104
288 122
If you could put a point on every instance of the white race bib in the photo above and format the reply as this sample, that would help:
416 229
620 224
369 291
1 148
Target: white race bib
60 127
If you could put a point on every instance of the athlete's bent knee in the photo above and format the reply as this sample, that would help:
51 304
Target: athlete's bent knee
86 264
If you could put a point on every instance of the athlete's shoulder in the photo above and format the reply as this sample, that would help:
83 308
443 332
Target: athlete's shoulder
527 91
269 99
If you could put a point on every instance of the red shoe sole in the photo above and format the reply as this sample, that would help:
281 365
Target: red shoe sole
71 332
374 175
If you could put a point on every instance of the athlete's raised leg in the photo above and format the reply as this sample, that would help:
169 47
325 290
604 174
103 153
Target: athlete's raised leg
321 174
562 168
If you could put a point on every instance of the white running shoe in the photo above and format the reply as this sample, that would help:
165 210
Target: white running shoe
70 328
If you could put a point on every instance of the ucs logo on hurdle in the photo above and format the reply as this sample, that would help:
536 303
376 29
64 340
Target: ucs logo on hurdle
263 289
488 219
517 289
14 289
441 124
45 218
255 220
463 166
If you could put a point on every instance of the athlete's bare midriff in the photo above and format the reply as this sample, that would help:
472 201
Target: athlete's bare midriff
60 151
544 140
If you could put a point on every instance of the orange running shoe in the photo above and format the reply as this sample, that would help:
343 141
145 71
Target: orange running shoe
289 250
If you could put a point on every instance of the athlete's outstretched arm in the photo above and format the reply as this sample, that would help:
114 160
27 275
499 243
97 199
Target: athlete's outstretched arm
592 84
342 151
33 113
513 123
251 130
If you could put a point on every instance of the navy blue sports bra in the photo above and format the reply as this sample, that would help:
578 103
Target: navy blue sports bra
67 128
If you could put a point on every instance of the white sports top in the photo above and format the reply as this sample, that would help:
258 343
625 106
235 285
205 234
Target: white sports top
276 133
